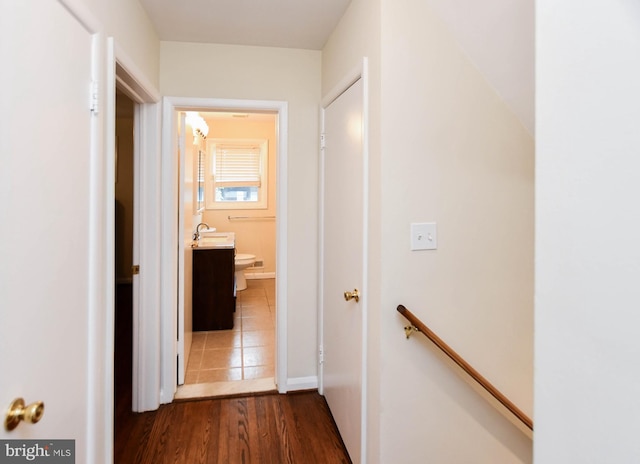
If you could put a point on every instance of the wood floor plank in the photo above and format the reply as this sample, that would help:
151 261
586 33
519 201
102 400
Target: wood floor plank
270 437
330 449
238 425
204 427
291 445
211 443
158 450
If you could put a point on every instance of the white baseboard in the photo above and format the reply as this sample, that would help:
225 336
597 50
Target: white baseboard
302 383
259 275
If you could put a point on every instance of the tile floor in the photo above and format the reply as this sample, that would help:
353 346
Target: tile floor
247 352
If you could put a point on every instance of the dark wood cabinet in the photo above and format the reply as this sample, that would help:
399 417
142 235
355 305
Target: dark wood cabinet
214 301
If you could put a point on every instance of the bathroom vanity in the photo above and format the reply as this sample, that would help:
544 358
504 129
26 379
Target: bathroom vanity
214 300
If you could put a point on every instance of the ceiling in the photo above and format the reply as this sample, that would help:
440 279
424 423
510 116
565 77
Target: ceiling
496 35
274 23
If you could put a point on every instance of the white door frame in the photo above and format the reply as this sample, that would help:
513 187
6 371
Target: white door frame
124 74
171 244
182 162
359 72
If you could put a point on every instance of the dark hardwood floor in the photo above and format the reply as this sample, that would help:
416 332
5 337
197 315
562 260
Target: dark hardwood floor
277 429
295 428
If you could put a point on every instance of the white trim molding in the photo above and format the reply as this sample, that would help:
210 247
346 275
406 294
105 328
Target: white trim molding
259 275
302 383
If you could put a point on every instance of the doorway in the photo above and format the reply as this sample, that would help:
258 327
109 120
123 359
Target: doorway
174 233
124 216
143 142
228 182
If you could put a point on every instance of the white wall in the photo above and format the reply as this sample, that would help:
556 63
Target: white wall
587 229
135 35
451 152
454 154
262 73
253 236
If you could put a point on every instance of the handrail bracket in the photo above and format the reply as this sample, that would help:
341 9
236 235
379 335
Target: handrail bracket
408 330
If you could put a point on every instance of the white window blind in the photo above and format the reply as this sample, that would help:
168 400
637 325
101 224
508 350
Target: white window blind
237 174
237 166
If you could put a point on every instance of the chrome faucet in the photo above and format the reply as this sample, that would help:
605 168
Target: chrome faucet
196 236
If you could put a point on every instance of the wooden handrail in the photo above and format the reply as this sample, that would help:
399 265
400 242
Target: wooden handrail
419 326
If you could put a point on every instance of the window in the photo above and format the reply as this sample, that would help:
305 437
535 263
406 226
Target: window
237 174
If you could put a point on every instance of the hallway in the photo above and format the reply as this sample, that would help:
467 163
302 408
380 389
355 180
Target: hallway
258 428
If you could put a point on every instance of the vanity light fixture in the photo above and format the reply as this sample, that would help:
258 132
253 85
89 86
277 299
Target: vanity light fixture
198 125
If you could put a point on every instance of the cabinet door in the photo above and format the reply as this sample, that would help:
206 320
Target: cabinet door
213 289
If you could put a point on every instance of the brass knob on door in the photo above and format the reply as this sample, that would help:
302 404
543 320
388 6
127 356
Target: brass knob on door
354 295
18 412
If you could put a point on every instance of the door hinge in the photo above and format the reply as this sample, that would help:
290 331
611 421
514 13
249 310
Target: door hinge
93 103
320 354
135 269
322 141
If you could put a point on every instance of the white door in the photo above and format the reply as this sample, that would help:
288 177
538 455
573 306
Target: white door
184 255
48 235
343 264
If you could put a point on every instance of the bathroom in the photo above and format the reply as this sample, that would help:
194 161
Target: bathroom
241 359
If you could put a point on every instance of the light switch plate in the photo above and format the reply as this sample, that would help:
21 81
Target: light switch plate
424 236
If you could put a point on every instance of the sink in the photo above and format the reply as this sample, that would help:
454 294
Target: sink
217 240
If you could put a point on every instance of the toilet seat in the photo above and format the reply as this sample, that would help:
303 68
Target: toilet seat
245 258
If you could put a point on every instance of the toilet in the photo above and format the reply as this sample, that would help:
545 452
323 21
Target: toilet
243 261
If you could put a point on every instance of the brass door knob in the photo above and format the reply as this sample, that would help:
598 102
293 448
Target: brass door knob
18 412
354 295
